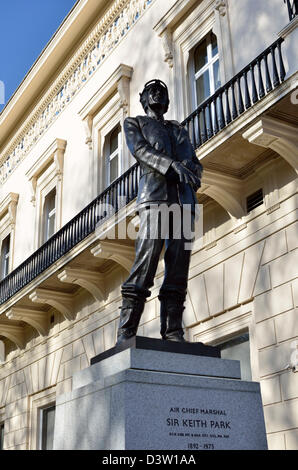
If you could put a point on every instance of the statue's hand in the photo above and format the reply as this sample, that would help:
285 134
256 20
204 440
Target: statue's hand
185 175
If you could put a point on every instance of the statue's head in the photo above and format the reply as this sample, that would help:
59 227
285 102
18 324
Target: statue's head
155 96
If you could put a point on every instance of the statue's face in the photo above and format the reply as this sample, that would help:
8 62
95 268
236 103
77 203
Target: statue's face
157 97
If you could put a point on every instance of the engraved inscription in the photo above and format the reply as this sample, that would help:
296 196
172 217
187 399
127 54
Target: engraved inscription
202 427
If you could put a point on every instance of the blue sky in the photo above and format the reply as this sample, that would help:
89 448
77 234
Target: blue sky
26 26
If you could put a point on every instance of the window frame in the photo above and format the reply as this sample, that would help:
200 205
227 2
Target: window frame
46 174
228 325
47 214
43 422
115 154
8 212
207 67
2 433
4 257
38 402
180 36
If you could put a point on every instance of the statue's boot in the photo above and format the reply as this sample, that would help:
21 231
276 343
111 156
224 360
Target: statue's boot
171 311
130 315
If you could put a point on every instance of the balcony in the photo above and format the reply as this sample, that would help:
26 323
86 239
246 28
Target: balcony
76 257
292 8
244 90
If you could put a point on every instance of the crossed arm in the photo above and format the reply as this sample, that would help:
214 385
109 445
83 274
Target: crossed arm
187 171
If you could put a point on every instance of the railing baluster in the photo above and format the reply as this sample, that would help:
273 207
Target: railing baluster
240 99
261 84
267 74
204 128
234 106
246 92
228 112
210 127
221 113
253 84
276 80
199 129
282 72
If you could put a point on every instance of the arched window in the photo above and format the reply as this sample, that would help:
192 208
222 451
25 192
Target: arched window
206 68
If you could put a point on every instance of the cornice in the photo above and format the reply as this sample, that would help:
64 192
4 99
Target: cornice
73 77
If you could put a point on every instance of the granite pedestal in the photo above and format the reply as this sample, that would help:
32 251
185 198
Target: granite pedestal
155 399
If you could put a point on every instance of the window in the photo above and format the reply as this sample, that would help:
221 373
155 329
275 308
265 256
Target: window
113 162
5 254
238 348
47 416
1 435
46 180
206 68
49 215
8 212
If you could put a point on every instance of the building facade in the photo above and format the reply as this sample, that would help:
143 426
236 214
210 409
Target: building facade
68 187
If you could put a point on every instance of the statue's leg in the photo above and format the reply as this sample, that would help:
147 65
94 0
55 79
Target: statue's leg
136 288
174 288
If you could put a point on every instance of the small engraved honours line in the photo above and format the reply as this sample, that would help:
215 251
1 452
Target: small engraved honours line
108 33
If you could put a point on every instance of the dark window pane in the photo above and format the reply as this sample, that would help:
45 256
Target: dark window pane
49 214
214 45
1 435
114 140
48 423
113 168
201 57
203 87
5 256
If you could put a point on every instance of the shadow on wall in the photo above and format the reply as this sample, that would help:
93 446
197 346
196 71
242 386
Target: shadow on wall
255 27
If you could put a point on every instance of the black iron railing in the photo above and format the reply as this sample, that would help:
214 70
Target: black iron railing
117 195
248 87
292 8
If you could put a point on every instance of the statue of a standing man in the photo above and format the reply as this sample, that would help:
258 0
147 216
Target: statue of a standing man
170 175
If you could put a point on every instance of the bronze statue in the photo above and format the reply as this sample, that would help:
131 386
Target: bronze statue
170 175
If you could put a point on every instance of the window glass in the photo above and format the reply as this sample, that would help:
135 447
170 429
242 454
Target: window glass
114 140
114 168
203 87
201 57
238 348
214 45
113 155
5 250
206 68
49 214
216 75
47 428
1 435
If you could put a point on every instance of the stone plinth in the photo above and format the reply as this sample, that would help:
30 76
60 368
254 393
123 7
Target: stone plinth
154 399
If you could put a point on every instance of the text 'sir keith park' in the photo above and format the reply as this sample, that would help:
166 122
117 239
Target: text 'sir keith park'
170 177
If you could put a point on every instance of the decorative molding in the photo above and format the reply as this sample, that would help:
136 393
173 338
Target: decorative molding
13 332
278 135
36 318
54 153
61 301
224 189
92 281
110 30
167 43
118 81
9 204
121 254
221 7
